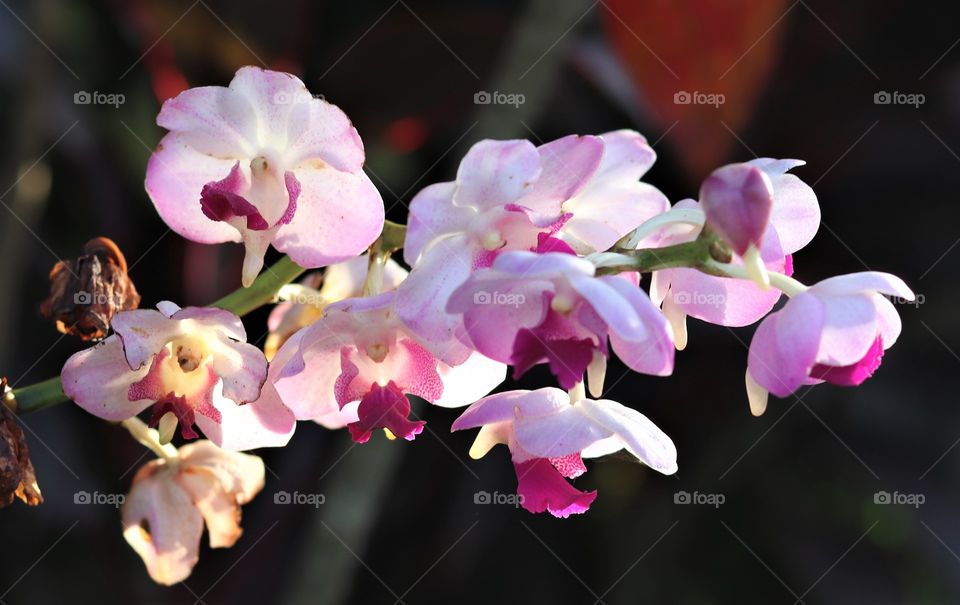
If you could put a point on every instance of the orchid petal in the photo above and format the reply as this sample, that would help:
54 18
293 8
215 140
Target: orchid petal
339 214
494 173
98 379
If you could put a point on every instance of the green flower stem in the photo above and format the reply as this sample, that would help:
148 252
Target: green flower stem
36 396
695 254
262 291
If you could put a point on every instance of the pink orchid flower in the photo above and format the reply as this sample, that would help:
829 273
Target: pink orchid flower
317 290
578 193
194 363
171 500
264 162
794 217
533 308
355 366
549 435
835 331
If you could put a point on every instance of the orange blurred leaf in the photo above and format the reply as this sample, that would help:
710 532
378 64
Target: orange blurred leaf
700 65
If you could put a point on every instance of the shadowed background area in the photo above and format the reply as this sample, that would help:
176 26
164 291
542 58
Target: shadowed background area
800 519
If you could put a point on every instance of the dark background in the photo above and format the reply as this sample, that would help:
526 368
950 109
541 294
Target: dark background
799 521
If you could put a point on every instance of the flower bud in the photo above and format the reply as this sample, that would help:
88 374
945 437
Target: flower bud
737 200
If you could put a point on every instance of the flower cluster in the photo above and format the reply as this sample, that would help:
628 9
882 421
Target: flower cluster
532 255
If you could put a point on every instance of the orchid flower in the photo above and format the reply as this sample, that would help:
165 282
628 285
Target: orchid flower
793 220
192 365
303 303
834 331
548 434
264 162
172 498
533 308
355 366
578 193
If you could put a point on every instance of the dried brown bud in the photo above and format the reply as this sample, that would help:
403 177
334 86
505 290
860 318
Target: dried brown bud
85 293
17 477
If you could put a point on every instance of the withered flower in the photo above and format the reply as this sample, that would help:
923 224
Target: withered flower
172 499
17 477
85 293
